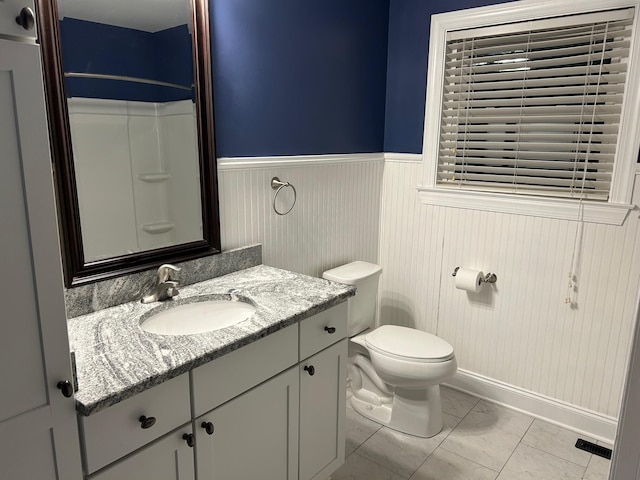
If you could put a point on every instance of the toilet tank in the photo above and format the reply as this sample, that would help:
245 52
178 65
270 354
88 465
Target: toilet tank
362 307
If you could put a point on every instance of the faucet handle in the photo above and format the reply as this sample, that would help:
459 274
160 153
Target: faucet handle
165 272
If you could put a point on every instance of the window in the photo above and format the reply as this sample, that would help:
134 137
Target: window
533 112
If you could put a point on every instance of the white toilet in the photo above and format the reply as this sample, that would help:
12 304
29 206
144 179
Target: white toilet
394 372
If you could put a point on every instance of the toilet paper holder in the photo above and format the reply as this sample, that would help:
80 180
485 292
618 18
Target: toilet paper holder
488 278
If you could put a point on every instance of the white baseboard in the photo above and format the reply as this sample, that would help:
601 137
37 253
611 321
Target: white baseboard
586 422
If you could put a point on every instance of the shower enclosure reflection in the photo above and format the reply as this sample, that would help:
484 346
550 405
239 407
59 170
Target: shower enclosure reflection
129 83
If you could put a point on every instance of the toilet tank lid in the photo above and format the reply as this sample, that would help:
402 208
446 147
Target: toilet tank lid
352 272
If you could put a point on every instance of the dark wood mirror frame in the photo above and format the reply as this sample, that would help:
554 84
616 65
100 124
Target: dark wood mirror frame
77 271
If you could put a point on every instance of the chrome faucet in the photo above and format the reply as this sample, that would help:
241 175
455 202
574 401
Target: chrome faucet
166 287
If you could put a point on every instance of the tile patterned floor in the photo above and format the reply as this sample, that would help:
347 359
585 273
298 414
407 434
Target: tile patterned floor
479 441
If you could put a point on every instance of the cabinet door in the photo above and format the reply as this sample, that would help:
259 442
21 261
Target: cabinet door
9 10
38 429
322 411
255 435
170 458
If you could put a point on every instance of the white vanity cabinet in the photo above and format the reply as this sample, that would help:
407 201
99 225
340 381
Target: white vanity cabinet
289 427
273 409
38 429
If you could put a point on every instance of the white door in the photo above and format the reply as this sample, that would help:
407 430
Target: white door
170 458
9 10
38 429
323 383
625 464
253 436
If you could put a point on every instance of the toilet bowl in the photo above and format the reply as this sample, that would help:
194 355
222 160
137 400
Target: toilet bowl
394 372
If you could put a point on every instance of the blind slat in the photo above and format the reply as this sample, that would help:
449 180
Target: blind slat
612 82
529 155
588 100
573 54
525 163
525 179
550 191
547 128
554 74
551 92
535 64
563 175
521 146
449 139
523 43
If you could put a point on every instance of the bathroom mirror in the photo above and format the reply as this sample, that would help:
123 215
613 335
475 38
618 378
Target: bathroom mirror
129 96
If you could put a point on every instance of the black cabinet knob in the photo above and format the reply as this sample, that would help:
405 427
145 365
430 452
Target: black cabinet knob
310 369
65 387
147 422
26 19
208 426
188 437
330 329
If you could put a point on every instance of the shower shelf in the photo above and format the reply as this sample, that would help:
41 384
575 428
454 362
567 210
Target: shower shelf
157 227
154 177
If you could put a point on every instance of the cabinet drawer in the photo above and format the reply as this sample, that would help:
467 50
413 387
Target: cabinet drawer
227 377
117 431
314 337
9 10
169 458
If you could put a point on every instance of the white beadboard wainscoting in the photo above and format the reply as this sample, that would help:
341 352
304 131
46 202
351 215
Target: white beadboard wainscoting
334 221
516 342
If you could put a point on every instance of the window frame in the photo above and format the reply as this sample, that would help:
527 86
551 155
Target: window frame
613 211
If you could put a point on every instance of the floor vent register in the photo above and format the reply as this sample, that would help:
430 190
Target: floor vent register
593 448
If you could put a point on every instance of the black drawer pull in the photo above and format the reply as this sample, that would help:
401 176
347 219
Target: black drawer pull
26 19
65 387
208 426
330 330
188 437
310 369
147 422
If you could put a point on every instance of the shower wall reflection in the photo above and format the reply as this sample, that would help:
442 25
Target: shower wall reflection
129 87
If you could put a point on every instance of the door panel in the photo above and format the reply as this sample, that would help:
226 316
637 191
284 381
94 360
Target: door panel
255 435
34 347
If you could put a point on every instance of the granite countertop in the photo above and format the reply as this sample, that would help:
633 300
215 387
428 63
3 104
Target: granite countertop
115 358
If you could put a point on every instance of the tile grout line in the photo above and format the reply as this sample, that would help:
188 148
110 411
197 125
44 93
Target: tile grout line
518 444
561 458
376 463
443 440
436 447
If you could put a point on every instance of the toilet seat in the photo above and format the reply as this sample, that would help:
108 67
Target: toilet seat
408 344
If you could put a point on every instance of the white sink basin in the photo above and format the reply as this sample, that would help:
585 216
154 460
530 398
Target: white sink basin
198 317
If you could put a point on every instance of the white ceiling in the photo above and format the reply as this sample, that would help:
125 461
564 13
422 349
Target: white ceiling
146 15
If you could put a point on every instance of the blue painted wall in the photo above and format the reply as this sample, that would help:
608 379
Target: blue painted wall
298 77
89 47
409 30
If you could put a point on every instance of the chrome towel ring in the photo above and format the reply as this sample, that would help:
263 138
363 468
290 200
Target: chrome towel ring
277 185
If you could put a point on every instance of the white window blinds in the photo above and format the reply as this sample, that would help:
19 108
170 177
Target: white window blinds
535 108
